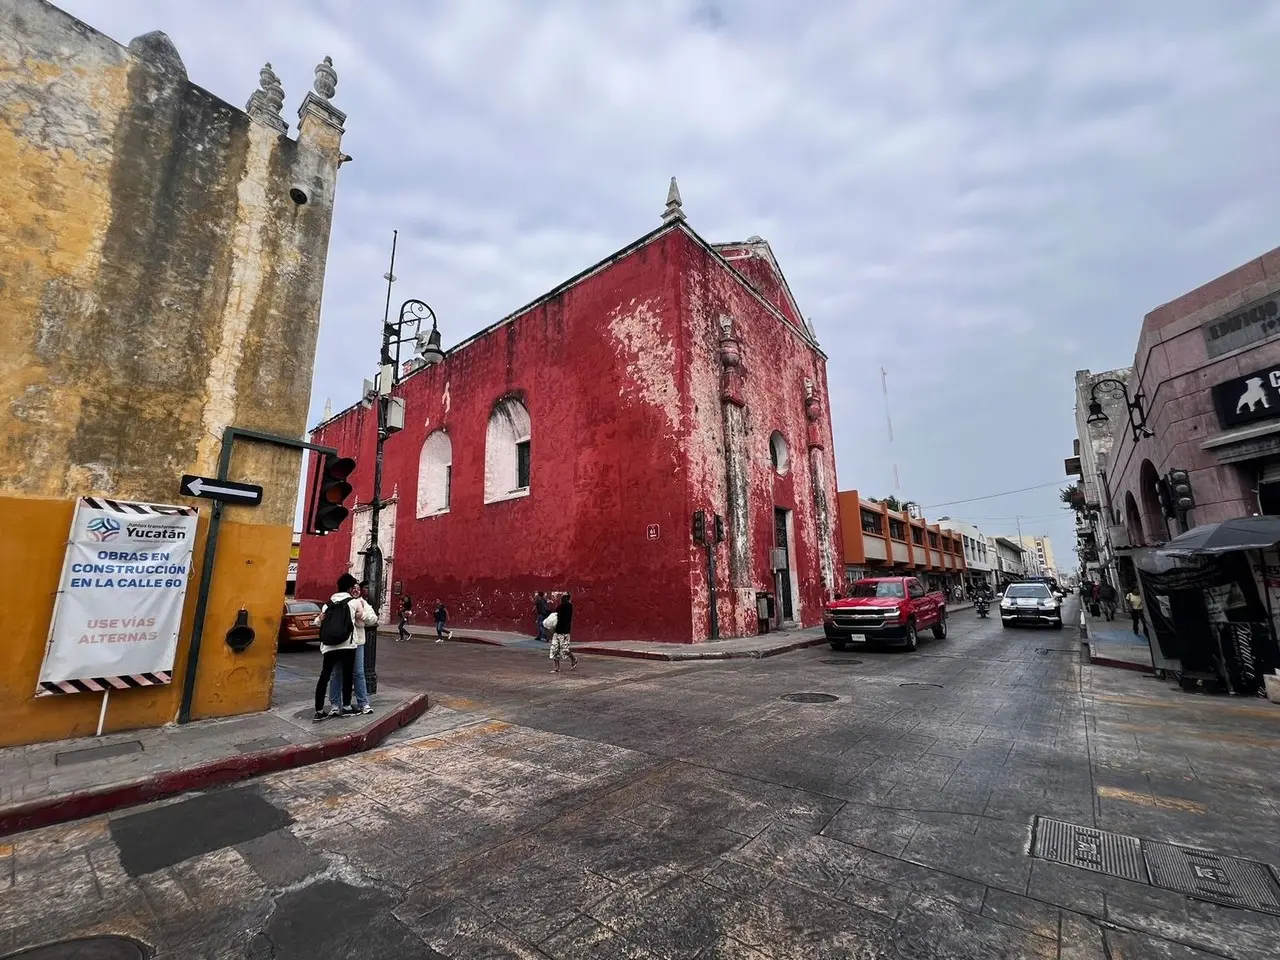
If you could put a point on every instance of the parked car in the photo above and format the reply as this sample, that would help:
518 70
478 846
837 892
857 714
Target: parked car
1030 602
885 610
297 624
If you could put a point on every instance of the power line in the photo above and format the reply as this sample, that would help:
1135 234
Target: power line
992 496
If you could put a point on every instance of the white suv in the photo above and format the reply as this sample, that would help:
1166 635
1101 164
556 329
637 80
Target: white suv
1030 603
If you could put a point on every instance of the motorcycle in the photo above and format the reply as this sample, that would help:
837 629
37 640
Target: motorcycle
982 605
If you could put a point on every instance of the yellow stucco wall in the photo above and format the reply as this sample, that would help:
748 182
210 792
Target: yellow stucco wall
250 570
160 282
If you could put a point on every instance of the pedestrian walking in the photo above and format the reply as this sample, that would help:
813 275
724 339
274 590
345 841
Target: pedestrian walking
560 639
406 608
1134 599
442 618
540 610
364 615
1107 597
342 621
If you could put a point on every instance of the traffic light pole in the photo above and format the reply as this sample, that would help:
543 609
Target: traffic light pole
229 437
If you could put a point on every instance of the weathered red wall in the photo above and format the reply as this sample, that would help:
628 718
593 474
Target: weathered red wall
620 375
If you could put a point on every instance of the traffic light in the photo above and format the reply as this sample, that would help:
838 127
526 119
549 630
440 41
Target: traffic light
1180 490
1162 492
699 526
332 489
719 529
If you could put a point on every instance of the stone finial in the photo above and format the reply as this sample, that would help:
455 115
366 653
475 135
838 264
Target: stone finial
265 102
326 79
674 211
328 408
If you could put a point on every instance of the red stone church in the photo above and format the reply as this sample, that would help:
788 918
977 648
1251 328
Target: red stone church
567 447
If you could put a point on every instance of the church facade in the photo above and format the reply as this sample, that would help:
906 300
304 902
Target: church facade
570 446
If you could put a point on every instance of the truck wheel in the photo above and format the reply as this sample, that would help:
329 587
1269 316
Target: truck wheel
911 635
837 644
1057 624
1004 623
940 629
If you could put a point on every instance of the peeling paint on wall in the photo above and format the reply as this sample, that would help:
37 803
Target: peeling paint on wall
644 340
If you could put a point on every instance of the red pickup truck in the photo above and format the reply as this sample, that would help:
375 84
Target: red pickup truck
885 610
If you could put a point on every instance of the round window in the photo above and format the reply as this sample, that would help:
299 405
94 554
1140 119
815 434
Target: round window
778 453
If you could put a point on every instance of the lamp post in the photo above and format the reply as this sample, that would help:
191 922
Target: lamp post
413 313
1137 416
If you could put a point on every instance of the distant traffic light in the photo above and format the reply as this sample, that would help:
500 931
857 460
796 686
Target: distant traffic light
699 526
719 529
1180 492
333 488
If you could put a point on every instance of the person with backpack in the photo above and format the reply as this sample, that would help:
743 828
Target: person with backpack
342 623
560 638
366 616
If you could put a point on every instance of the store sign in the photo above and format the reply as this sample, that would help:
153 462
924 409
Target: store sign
119 605
1257 321
1253 397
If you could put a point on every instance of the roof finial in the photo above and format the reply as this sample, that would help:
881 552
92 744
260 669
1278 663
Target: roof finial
328 408
265 102
326 83
674 209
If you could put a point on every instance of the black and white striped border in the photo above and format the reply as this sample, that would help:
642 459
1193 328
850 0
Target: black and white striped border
142 509
128 681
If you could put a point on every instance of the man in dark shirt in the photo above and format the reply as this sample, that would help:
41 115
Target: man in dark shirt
560 642
406 608
442 617
540 610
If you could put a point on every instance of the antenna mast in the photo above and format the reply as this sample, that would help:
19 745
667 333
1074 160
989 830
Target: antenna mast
888 422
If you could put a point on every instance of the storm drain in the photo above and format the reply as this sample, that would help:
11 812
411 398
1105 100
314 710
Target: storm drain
1097 850
85 948
918 683
809 697
1046 651
840 662
1233 881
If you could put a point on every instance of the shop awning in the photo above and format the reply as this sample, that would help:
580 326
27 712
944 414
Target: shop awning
1242 533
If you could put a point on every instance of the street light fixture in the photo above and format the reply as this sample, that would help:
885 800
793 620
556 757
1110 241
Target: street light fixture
1137 416
413 313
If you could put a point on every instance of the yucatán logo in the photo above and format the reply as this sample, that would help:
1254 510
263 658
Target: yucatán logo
152 531
102 529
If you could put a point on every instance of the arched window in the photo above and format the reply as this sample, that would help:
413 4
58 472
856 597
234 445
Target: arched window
435 475
778 453
1157 531
507 452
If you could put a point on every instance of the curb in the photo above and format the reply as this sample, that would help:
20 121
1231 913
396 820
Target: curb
216 773
675 655
1119 664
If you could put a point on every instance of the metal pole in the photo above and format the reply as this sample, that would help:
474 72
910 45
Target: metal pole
711 586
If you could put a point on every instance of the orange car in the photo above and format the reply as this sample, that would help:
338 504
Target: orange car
297 625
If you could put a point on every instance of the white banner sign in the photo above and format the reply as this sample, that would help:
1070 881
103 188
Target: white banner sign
119 607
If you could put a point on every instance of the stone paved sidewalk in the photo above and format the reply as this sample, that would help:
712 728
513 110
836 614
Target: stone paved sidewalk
64 779
738 648
1112 644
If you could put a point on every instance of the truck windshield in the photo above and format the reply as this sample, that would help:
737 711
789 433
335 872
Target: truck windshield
885 588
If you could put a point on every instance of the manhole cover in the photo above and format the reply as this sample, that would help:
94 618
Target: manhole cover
841 661
809 697
917 683
1231 880
85 948
1097 850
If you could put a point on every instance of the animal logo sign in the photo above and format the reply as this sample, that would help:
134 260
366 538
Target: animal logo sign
1254 396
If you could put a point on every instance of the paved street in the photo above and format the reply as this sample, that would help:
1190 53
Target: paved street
636 809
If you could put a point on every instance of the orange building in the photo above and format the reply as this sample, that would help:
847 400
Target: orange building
879 542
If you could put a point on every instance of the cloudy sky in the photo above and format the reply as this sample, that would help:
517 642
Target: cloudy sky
982 197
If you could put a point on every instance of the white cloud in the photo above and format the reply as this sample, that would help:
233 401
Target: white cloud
981 195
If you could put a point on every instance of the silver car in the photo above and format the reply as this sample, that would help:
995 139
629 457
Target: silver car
1030 603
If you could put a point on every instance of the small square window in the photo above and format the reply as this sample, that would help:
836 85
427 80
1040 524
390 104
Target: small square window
522 465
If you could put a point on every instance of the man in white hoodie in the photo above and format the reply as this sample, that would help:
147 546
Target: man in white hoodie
342 620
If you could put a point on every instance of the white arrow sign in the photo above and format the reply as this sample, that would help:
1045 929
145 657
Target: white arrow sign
228 490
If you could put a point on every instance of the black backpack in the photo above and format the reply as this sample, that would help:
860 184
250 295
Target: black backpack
336 625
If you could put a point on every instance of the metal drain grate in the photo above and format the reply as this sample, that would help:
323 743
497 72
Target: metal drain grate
1096 850
840 661
809 697
918 683
1233 881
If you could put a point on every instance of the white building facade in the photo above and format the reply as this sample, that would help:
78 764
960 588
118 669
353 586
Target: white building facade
977 553
1006 559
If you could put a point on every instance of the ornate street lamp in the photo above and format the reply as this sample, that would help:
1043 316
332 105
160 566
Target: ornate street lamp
1137 416
413 314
